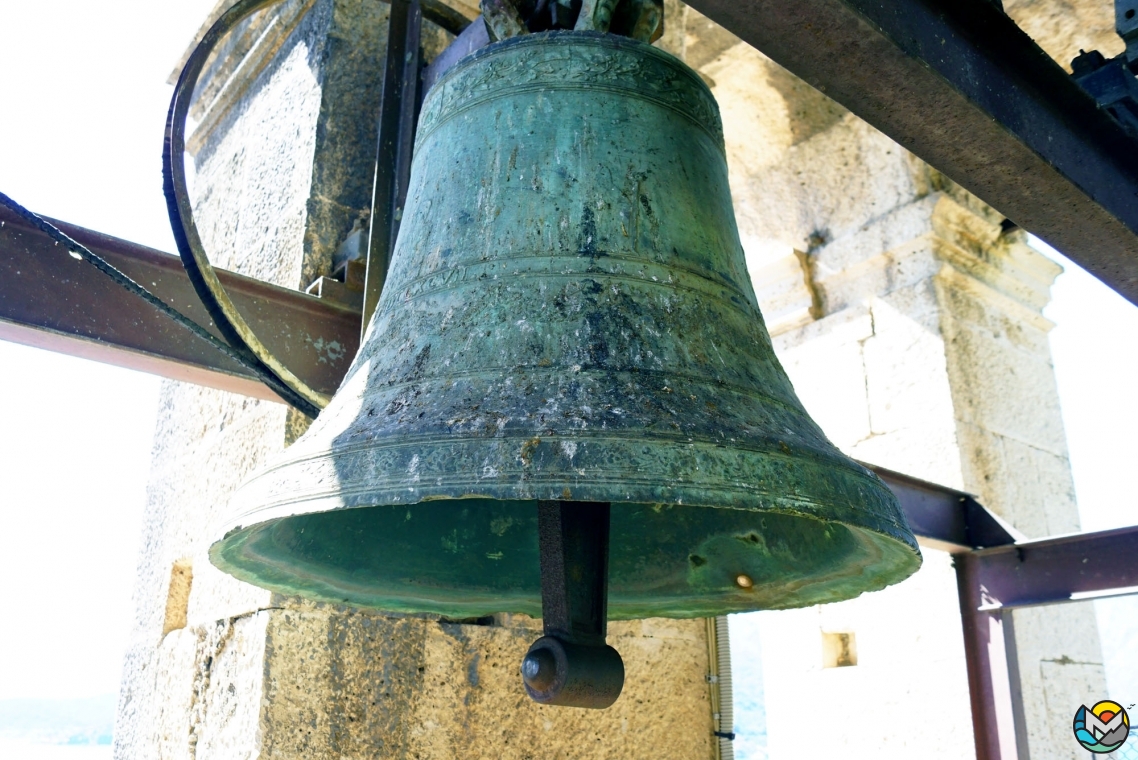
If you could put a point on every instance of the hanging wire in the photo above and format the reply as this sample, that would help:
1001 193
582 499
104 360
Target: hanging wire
82 253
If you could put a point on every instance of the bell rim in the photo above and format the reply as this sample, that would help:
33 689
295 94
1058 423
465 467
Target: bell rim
886 560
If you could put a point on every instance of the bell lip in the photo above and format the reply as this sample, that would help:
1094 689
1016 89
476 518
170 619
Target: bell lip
266 495
897 557
896 561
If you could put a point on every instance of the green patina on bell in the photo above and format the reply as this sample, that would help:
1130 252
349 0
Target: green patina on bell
567 316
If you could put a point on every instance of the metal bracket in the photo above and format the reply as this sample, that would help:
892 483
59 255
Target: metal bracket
571 664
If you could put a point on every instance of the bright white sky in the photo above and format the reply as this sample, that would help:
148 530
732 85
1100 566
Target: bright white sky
83 99
83 104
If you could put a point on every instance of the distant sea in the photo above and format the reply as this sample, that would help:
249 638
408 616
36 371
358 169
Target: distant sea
57 729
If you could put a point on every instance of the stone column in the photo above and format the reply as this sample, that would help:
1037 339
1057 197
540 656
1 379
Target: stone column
908 315
283 158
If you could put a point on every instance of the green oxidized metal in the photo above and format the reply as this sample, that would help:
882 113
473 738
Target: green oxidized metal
567 316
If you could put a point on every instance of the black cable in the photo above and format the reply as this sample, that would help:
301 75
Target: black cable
83 253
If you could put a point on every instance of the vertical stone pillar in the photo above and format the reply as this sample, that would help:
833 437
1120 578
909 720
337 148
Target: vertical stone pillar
908 316
283 158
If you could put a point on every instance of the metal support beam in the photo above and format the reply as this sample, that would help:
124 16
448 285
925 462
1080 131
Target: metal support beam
1070 568
944 518
986 653
49 300
960 85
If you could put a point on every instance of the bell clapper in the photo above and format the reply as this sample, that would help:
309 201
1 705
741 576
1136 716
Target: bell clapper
571 664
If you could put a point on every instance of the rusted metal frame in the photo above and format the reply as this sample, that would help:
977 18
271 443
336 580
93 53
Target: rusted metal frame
989 653
960 85
398 114
953 521
1069 568
51 301
944 518
993 581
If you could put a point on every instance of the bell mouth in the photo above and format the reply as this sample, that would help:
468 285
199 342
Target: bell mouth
577 324
463 558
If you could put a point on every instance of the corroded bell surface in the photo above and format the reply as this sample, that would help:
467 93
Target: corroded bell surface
568 317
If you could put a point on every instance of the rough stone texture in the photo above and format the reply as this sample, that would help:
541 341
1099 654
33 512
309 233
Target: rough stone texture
1062 27
388 687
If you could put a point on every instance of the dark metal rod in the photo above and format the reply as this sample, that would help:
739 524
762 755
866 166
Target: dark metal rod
960 85
574 542
398 112
986 659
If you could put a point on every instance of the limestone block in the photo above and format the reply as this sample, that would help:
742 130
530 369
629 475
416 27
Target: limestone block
472 673
341 683
1062 27
1003 387
185 500
252 181
895 230
1015 274
784 288
910 401
824 362
1060 669
909 652
803 171
823 188
208 679
139 720
225 712
1039 502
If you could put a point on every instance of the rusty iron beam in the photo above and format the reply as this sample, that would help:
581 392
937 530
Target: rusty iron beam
961 86
1059 569
944 518
52 301
990 660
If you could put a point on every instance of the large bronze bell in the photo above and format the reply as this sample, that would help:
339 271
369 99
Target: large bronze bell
567 324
